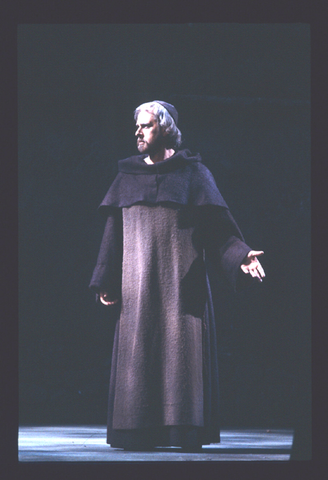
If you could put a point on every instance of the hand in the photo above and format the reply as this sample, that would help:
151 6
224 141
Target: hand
252 266
104 299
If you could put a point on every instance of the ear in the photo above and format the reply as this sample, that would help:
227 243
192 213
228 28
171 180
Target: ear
164 132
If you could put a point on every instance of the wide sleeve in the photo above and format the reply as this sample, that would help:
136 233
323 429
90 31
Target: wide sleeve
224 243
107 274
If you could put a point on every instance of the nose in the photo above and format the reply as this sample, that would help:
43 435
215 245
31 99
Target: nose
138 131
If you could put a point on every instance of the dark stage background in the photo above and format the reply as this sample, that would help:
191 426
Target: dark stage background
243 96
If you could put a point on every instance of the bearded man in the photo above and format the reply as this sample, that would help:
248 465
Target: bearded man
165 222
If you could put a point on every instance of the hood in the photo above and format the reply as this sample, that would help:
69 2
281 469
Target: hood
137 165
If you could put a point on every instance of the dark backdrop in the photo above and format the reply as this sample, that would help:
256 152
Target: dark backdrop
243 96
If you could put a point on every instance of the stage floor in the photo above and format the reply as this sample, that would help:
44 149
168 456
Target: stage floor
88 444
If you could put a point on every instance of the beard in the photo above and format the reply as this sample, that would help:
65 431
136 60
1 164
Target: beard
142 146
150 148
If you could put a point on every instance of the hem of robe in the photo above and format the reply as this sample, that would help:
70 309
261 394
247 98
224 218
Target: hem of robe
175 414
161 436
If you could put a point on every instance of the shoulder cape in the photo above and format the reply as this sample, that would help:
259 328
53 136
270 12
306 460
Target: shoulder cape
182 179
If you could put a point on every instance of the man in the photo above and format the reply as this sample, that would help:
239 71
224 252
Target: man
166 220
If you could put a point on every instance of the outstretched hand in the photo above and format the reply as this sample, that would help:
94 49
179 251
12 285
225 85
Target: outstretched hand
104 299
252 266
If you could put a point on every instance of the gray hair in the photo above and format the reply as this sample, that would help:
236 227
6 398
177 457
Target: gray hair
164 119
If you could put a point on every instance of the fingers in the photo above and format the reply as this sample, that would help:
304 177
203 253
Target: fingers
254 253
108 303
260 269
255 274
244 268
258 276
254 269
103 298
103 301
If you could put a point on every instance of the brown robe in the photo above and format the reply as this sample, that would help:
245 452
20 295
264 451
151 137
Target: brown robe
164 375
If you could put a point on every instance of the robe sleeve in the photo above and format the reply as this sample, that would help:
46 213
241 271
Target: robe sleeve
107 274
224 244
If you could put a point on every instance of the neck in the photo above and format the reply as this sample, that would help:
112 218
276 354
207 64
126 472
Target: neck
159 156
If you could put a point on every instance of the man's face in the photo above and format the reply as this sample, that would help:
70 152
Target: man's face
149 134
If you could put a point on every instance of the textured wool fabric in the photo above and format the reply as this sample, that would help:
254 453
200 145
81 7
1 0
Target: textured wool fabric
159 365
181 179
165 223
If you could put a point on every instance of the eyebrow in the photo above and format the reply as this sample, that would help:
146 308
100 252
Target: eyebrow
143 124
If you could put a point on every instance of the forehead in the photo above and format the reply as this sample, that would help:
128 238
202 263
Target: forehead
145 117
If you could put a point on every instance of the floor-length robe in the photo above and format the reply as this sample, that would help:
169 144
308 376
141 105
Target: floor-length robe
164 373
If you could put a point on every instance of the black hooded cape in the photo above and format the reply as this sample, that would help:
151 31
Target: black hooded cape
180 184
